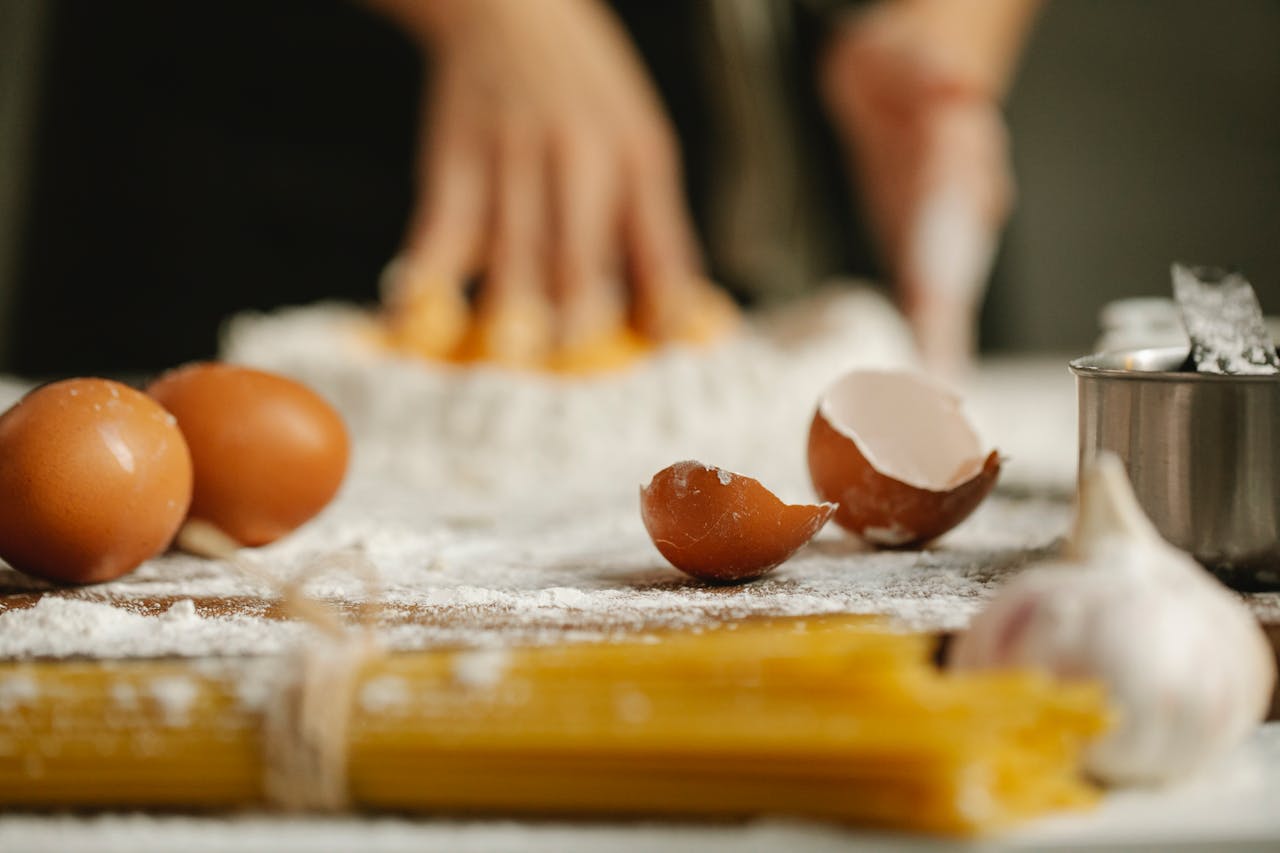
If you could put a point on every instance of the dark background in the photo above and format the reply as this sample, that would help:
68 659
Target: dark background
1143 132
163 165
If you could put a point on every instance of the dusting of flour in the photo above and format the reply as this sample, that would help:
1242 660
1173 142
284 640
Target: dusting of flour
499 508
593 575
516 442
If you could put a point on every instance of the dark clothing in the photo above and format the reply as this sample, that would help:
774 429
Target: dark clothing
194 160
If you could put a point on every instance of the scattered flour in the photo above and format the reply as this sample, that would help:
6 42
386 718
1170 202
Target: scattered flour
63 626
500 509
383 693
480 668
181 610
520 528
175 695
17 689
891 536
124 696
593 576
565 564
497 440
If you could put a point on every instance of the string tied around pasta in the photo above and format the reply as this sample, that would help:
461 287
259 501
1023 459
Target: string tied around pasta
305 734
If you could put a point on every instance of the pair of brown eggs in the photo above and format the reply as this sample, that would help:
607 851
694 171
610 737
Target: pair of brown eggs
97 477
891 453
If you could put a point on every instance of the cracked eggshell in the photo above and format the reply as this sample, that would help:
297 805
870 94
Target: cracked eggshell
899 456
723 527
95 478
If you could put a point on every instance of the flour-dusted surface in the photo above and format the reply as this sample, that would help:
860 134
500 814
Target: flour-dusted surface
592 575
510 442
525 536
501 507
567 567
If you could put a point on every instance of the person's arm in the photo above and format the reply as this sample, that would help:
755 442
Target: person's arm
420 18
914 88
548 169
977 42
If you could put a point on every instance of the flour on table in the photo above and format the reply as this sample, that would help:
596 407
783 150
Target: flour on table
480 667
501 508
17 690
383 693
175 695
498 441
593 575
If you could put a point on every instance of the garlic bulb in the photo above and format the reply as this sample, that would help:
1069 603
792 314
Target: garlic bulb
1185 663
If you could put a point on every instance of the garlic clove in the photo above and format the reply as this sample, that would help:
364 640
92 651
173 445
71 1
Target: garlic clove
1106 507
1185 663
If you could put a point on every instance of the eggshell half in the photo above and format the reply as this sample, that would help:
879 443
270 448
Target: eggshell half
95 478
899 456
723 527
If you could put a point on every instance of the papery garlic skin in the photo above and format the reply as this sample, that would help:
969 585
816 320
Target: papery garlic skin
1185 663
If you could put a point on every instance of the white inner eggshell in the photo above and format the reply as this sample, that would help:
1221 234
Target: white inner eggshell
908 427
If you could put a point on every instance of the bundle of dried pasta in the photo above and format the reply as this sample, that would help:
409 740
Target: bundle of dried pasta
833 718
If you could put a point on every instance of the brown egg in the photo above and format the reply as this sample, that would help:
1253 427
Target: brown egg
899 456
269 453
723 527
95 478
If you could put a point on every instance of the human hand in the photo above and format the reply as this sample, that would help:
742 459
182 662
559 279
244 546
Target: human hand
549 170
930 157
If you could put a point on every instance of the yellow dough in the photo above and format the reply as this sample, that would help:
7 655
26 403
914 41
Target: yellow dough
429 321
436 323
520 336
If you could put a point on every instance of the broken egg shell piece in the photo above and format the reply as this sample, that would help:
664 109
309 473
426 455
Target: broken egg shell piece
899 456
723 527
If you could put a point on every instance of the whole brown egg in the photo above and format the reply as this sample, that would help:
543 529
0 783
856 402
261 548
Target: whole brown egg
95 478
269 453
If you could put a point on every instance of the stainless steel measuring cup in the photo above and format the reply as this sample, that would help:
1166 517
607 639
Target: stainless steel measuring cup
1202 450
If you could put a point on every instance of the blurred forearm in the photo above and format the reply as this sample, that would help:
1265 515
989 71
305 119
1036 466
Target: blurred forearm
974 42
420 18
